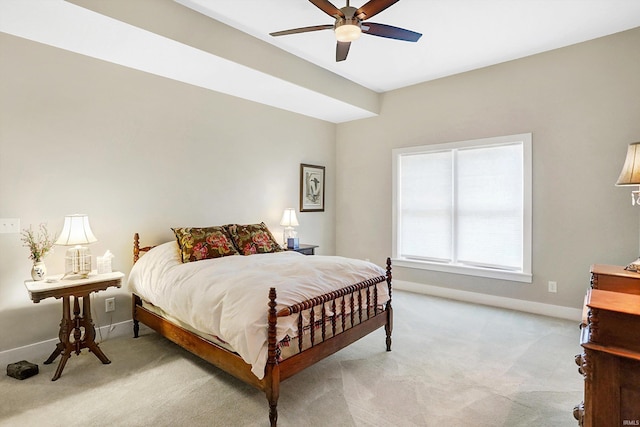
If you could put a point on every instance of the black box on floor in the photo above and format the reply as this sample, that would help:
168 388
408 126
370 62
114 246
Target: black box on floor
22 369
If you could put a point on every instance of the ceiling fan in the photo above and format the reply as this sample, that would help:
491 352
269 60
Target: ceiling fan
349 24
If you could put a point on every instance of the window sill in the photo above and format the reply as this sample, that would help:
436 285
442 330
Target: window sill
466 270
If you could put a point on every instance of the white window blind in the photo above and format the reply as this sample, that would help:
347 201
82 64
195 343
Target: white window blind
465 206
490 206
426 192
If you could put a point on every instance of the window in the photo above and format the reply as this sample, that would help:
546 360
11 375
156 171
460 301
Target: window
465 207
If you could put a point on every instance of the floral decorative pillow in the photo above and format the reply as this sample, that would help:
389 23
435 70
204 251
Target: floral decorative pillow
203 243
253 239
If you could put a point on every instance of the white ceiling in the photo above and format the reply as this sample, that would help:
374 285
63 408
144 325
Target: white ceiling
458 36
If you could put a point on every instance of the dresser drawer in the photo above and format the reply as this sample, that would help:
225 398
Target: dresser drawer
614 278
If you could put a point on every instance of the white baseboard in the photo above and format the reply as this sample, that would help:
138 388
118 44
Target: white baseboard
28 352
125 328
492 300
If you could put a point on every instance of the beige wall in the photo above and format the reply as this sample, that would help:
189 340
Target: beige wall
141 153
137 153
582 104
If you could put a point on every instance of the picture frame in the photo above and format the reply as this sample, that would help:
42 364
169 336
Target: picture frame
311 188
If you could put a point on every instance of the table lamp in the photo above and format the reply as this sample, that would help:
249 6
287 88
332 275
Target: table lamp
630 174
76 232
289 221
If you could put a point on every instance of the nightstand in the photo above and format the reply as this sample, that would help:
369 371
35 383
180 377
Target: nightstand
78 289
305 249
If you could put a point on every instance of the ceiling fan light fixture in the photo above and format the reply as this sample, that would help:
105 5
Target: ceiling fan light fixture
347 32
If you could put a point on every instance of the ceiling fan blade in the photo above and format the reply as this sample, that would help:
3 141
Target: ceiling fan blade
382 30
373 7
342 50
301 30
328 8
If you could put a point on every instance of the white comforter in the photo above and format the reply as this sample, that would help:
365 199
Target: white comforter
228 296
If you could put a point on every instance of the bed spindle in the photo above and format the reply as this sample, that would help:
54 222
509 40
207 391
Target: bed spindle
368 302
312 325
352 308
375 300
333 319
324 322
300 335
343 314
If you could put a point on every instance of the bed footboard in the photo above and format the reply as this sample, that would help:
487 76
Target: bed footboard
341 317
336 319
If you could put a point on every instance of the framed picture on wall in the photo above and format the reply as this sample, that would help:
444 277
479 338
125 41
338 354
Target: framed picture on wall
311 188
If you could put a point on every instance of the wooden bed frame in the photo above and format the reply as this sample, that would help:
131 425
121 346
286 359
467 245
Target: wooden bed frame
356 323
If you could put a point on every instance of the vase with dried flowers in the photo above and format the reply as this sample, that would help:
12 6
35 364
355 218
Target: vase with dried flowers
39 244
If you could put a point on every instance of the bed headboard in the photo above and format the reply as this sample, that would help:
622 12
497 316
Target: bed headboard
137 249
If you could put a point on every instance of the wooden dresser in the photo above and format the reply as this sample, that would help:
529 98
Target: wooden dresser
610 361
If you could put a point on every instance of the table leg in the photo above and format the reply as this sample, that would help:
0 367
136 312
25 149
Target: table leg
77 324
63 334
64 346
90 331
56 353
63 361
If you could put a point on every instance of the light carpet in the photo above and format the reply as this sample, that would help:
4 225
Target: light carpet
452 364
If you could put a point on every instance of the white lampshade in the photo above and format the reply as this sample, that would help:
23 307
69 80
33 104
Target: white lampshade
630 174
289 218
76 231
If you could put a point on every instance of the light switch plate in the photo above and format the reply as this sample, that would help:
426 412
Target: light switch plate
9 225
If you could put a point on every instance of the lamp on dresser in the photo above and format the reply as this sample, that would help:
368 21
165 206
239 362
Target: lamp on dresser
630 174
76 232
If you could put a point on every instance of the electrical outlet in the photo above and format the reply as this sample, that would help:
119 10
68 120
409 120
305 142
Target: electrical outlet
553 287
9 225
110 305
